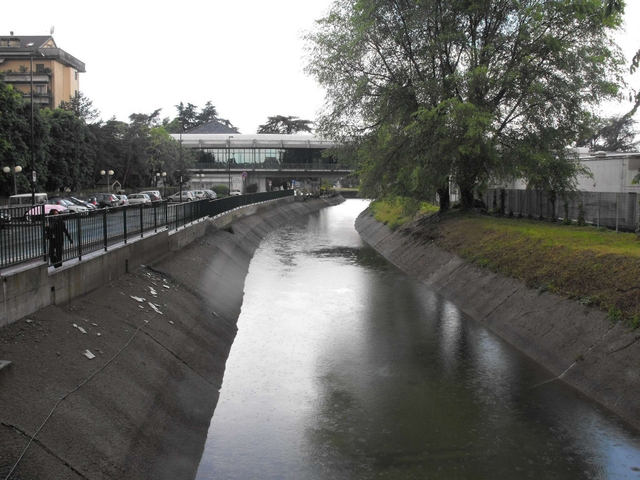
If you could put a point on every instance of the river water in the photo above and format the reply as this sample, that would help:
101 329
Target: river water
346 368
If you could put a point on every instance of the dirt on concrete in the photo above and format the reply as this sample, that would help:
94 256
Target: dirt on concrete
123 382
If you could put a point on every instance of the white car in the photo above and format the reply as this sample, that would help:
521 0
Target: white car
123 200
200 194
154 195
139 198
187 196
234 193
72 207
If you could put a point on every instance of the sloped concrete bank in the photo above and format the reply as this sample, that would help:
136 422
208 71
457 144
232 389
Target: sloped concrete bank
576 343
160 335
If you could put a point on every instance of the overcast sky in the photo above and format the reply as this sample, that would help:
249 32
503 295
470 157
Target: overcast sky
244 56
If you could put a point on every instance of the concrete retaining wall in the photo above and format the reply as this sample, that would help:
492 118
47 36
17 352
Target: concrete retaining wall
160 335
27 289
576 343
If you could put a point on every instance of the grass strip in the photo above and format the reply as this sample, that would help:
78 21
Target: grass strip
596 267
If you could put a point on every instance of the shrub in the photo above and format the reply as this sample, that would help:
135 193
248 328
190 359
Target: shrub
221 190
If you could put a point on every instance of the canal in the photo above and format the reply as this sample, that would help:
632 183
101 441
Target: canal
346 368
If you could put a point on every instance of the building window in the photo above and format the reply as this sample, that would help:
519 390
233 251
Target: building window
39 67
41 89
76 74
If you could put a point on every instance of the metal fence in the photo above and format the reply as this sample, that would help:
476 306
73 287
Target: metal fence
617 211
23 229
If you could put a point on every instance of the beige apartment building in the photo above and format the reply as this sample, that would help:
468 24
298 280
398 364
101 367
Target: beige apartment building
36 64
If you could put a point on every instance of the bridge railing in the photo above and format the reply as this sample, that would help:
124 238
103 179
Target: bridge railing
272 166
23 237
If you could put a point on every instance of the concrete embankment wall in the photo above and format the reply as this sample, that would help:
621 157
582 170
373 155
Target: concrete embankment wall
576 343
160 335
28 288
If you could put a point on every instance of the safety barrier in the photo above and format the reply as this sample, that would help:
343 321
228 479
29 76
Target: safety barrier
24 232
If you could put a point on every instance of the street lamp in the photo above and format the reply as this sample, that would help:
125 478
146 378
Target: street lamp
158 175
181 128
108 173
200 177
16 169
229 160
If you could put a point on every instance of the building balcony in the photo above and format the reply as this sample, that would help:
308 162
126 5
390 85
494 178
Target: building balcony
42 99
21 78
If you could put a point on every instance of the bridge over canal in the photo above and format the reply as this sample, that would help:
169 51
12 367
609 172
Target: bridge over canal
240 160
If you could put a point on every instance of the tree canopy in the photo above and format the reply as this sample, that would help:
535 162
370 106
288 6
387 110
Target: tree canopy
189 117
71 148
464 92
286 125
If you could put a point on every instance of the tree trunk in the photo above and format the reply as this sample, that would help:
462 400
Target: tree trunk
466 197
445 201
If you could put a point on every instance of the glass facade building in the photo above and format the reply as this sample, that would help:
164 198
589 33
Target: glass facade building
255 158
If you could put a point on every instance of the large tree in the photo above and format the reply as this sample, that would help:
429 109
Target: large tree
285 124
189 118
433 92
82 107
613 134
71 151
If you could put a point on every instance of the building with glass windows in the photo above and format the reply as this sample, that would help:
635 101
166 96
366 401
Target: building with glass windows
268 160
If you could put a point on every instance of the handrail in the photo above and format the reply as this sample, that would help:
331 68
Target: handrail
23 232
223 166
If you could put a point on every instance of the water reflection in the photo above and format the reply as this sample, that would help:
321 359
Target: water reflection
345 368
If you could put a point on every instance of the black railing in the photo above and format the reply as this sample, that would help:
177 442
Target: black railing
23 229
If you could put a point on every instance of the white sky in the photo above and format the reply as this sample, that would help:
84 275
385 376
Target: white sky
246 56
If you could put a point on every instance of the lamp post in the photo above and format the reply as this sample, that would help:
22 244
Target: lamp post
162 175
158 175
181 128
229 160
33 153
108 173
16 169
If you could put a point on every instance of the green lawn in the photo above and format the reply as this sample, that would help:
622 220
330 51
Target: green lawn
597 267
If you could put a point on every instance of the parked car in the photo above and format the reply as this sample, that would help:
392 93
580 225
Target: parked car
212 195
106 200
235 193
200 194
187 196
25 199
82 203
122 200
139 199
69 205
154 195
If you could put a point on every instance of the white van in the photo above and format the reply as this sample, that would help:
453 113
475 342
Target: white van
24 199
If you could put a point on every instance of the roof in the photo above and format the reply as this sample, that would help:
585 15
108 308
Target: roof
270 140
35 46
25 43
585 155
213 127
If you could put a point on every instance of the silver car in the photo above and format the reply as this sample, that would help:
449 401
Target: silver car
187 196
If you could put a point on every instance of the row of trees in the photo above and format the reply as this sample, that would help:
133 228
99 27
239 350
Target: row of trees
71 146
430 93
